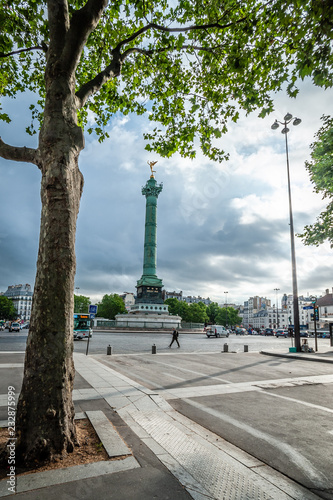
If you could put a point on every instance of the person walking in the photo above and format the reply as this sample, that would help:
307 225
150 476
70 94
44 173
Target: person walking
175 336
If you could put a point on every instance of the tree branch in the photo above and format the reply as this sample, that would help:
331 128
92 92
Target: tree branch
175 30
14 153
94 85
150 52
37 47
83 22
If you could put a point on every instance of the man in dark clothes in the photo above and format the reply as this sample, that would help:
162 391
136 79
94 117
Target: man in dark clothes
174 337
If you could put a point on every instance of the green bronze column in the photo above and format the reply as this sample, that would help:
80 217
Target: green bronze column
149 287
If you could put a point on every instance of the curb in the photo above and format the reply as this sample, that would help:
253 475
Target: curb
298 356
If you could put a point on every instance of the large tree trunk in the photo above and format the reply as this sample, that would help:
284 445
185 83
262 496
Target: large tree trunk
45 413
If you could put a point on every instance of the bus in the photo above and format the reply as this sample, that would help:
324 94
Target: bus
82 326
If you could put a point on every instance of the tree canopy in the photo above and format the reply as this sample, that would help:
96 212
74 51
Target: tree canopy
7 309
190 66
81 304
228 316
200 313
320 169
111 305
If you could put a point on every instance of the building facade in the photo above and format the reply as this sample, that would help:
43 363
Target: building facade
21 295
189 298
251 307
325 310
260 314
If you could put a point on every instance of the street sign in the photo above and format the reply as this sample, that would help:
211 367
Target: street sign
308 307
92 309
91 316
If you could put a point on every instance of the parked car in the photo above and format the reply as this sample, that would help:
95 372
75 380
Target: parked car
14 327
281 333
241 331
269 331
216 331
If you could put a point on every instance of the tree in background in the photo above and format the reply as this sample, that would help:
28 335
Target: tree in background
173 306
197 313
7 309
320 169
228 316
212 311
111 305
81 304
188 66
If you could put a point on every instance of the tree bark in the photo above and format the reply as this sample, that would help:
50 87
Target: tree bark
45 413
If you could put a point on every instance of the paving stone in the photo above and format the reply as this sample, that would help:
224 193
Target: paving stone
112 442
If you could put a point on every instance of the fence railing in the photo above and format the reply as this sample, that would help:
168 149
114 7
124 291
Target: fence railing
191 325
143 324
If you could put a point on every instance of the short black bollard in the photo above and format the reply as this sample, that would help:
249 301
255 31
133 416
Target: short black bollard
153 349
225 348
246 348
109 350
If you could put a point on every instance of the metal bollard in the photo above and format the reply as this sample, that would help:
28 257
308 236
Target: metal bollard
225 348
246 348
153 349
109 350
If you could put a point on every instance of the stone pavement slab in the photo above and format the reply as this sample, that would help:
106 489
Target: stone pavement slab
60 476
205 465
204 469
112 442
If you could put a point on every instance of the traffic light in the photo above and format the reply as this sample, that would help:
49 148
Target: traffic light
316 313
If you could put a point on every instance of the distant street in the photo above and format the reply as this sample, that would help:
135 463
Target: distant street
132 343
277 409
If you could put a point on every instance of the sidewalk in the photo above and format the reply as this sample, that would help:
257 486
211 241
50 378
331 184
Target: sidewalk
324 354
161 453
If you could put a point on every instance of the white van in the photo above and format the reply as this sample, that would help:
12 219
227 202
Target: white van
216 331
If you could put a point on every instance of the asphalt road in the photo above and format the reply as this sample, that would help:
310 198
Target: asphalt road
277 409
131 343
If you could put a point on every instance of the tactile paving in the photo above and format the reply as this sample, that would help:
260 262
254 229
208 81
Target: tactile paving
223 480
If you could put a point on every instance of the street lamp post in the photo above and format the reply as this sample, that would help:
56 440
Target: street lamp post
277 307
226 310
296 121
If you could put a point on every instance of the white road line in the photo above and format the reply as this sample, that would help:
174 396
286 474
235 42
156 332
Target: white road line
299 461
311 405
203 375
12 365
174 376
215 389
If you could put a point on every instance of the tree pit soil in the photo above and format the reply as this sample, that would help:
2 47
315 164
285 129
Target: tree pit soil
90 449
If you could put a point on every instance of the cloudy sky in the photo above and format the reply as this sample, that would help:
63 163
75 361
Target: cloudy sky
221 227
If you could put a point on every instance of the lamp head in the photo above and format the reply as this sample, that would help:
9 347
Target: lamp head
275 125
288 117
285 130
297 121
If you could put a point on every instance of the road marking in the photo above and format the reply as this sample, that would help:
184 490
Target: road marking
311 405
211 390
12 365
202 375
174 376
299 461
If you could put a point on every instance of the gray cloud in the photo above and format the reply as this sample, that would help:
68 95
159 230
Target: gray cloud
220 227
